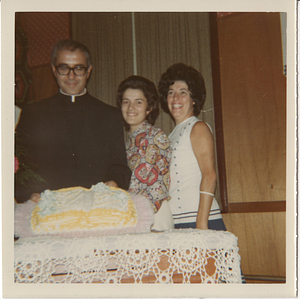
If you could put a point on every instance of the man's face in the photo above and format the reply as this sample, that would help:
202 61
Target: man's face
71 84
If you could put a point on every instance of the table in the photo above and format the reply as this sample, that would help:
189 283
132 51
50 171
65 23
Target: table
175 256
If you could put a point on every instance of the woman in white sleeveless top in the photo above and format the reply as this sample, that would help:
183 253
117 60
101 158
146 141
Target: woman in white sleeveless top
193 175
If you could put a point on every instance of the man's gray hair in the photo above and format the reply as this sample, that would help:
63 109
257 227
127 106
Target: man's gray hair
72 46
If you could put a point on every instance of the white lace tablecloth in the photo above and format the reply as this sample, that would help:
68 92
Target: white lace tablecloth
176 256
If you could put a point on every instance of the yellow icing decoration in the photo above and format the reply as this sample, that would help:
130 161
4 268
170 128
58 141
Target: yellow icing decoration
107 216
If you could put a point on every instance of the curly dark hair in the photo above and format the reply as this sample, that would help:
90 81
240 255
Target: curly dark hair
71 45
193 79
150 93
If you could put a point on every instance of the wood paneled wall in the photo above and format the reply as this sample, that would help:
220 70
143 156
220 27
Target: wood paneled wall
261 240
253 99
254 106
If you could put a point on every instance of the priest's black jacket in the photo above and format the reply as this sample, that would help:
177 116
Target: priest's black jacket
69 143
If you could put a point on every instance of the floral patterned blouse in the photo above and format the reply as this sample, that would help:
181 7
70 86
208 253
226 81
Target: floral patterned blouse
149 154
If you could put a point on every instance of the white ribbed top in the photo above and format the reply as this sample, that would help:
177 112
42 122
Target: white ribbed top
186 176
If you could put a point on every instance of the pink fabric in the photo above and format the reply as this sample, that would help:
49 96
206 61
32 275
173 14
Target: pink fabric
16 164
144 211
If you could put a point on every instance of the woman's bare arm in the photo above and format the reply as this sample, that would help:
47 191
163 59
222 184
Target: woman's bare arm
203 147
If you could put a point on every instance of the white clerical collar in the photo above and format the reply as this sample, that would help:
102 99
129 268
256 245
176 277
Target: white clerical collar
73 95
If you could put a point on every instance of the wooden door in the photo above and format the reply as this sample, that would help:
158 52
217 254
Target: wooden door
250 97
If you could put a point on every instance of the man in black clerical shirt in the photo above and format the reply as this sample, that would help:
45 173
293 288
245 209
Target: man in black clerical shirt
71 139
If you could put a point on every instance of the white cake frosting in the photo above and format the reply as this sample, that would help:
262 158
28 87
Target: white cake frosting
79 209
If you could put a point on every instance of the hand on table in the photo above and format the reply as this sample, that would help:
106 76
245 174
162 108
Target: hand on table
35 197
111 184
201 224
202 227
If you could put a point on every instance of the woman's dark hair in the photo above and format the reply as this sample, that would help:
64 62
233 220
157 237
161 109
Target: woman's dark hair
71 45
149 90
193 79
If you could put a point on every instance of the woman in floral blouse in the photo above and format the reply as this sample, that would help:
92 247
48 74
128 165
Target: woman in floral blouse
148 148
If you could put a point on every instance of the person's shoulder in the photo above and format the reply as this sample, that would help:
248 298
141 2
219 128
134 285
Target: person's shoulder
103 106
201 130
156 130
201 126
39 105
49 99
159 134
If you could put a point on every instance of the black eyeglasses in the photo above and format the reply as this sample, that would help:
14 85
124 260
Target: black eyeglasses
64 70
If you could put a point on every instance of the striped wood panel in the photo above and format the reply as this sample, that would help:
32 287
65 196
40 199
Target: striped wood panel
253 95
254 106
261 240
